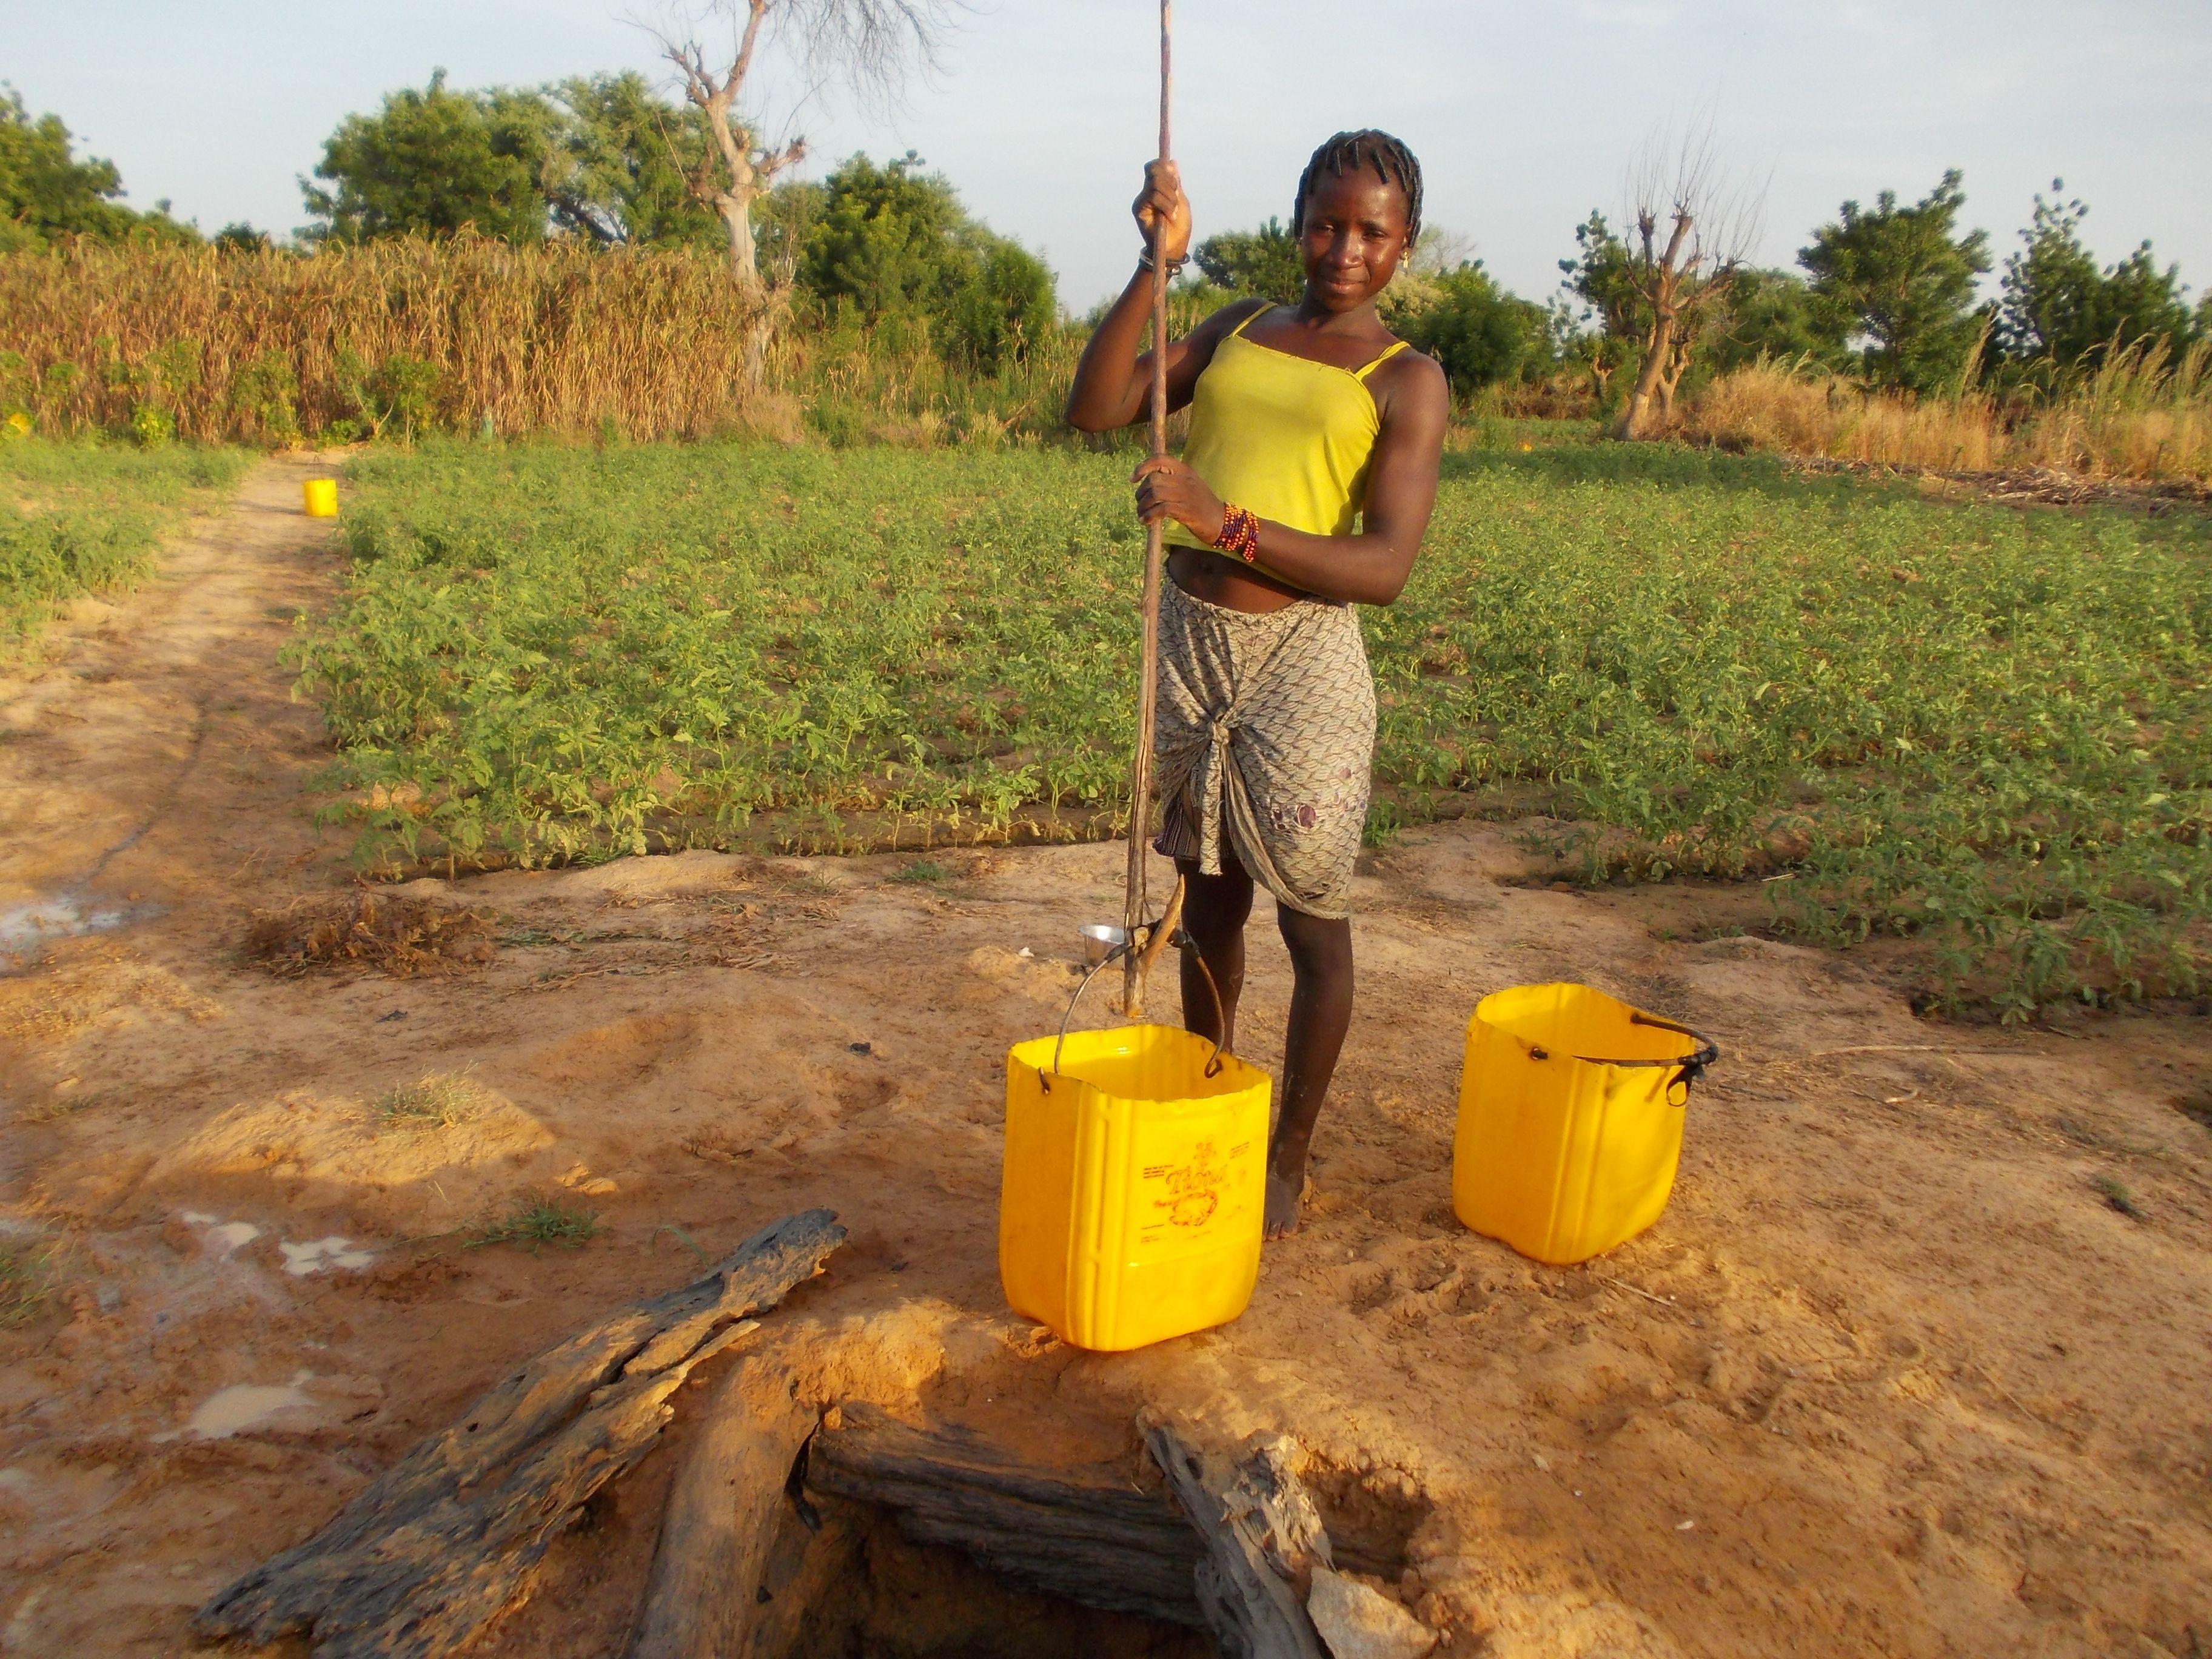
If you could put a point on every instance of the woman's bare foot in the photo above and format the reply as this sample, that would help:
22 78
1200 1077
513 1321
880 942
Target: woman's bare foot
1284 1195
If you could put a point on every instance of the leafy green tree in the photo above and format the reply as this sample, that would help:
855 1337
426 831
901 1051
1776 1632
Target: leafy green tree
1771 314
1902 277
2058 307
1263 262
893 242
890 240
1010 306
46 191
784 218
622 162
1480 334
435 161
1598 277
240 237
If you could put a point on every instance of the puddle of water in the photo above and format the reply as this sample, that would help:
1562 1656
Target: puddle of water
246 1406
317 1253
225 1238
26 928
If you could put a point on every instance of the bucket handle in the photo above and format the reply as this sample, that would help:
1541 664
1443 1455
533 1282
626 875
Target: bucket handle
1692 1067
1181 941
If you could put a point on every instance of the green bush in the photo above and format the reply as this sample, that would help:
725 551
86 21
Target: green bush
1480 334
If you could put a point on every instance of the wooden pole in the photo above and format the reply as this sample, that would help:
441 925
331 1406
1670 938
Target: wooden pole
1137 967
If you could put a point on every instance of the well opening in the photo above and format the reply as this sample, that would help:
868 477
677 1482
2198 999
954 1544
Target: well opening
858 1587
1371 1515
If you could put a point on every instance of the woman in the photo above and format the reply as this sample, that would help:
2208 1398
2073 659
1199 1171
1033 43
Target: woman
1304 489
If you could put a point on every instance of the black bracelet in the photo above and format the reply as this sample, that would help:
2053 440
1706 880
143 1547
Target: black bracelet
1144 261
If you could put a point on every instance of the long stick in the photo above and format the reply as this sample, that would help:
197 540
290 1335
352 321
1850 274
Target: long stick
1137 968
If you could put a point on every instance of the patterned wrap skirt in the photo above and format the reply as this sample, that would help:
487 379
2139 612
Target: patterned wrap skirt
1265 741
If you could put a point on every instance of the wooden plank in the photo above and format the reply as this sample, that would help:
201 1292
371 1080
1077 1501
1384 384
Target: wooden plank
431 1552
1084 1535
1260 1529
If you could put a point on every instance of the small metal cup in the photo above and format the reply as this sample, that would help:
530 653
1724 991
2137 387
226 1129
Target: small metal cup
1100 941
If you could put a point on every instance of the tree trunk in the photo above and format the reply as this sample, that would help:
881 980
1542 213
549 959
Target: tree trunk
1261 1534
722 1516
1678 364
736 207
430 1553
760 335
1657 348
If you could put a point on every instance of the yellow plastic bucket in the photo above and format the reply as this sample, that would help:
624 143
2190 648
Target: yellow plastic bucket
1134 1186
322 497
1570 1119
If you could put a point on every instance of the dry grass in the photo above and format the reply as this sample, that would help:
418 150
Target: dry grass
26 1280
439 1100
255 346
2142 415
402 938
405 336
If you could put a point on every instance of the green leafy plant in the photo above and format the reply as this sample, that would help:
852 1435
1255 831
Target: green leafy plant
536 1222
1980 729
266 392
152 426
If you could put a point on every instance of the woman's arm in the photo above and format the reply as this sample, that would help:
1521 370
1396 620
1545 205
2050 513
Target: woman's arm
1370 568
1113 383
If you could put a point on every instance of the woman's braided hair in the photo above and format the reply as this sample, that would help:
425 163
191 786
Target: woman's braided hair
1350 151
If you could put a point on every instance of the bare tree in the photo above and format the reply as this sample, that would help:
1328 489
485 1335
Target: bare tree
870 45
1691 231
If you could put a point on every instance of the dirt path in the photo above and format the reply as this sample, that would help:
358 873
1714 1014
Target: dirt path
148 755
1894 1375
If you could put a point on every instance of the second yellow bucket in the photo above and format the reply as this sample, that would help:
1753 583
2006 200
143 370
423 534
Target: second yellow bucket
1134 1186
1570 1119
321 497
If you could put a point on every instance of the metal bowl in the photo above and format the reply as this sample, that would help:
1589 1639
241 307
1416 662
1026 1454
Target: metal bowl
1101 941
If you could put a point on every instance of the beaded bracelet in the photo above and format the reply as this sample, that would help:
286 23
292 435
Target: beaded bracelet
1240 534
1144 261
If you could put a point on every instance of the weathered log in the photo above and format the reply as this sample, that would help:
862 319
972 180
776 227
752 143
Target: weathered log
722 1516
1262 1531
1087 1534
436 1547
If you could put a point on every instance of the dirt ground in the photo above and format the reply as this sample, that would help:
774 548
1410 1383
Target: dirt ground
1916 1363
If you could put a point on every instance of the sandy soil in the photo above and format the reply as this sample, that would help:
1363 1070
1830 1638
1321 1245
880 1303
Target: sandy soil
1894 1375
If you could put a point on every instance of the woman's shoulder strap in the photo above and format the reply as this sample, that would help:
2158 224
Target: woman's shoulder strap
1257 312
1396 346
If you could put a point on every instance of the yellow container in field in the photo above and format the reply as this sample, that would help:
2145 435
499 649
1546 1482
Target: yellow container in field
322 496
1570 1119
1134 1185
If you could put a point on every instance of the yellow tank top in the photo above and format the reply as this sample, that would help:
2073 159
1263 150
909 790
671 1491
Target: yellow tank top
1284 436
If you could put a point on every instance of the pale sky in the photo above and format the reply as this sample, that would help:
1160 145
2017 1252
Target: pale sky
1525 115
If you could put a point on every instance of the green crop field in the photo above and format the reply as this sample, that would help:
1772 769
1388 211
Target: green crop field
1979 725
78 518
